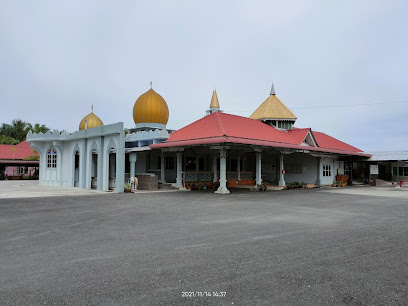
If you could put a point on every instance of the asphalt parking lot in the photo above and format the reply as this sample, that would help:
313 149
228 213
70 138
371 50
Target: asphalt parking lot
295 247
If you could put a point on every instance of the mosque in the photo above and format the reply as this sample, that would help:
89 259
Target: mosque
220 149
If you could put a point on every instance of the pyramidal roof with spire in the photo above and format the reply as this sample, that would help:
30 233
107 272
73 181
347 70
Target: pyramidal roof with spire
272 108
214 100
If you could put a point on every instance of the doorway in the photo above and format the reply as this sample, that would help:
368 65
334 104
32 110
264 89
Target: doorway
76 169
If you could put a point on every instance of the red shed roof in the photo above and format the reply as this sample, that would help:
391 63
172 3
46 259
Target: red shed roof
225 128
20 151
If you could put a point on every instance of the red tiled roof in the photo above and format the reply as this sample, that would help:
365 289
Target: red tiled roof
299 134
221 124
21 150
225 128
325 141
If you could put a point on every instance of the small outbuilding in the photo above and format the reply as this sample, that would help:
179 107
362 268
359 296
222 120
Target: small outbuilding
18 161
389 166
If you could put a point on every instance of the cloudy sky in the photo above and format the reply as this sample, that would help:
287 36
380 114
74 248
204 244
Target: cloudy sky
340 66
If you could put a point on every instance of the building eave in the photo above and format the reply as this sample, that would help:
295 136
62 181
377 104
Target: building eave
255 142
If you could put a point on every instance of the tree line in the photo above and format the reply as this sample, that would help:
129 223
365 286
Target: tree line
16 132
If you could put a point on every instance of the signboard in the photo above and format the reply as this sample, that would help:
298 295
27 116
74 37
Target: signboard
373 169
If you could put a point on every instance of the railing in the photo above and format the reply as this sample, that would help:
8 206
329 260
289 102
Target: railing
207 176
197 176
129 181
244 175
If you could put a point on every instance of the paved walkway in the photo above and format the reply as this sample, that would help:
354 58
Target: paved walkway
31 189
378 191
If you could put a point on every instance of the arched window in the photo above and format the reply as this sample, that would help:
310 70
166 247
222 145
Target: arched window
52 158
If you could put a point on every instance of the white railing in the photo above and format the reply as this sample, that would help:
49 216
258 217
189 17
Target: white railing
129 181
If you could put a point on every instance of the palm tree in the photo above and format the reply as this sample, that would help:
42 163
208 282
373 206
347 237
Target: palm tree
6 130
19 129
37 128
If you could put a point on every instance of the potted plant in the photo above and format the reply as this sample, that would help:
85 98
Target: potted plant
128 187
263 187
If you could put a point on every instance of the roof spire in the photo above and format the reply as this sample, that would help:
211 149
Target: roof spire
151 84
273 90
214 100
92 107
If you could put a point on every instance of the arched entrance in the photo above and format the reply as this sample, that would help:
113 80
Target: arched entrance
76 169
112 169
94 169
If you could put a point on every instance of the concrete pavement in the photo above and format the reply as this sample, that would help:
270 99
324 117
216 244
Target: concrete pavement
307 247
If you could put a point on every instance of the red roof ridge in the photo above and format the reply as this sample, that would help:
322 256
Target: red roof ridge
217 115
184 127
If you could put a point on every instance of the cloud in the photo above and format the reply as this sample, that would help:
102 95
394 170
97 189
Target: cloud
59 58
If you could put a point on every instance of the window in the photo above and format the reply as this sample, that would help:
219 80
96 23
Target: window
191 163
348 168
21 170
326 170
169 162
403 171
52 158
285 125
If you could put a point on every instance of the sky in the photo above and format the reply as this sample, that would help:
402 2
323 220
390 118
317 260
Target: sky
340 66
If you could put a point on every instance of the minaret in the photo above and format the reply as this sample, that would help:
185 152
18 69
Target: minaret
214 105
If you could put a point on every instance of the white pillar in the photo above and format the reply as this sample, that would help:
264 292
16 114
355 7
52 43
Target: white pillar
281 169
223 173
239 168
132 160
179 179
162 164
318 171
214 167
258 167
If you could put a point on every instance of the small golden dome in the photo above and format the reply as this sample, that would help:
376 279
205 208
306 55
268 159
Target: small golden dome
150 107
90 121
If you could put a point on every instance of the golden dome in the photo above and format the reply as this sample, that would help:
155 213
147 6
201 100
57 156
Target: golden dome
151 108
90 121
